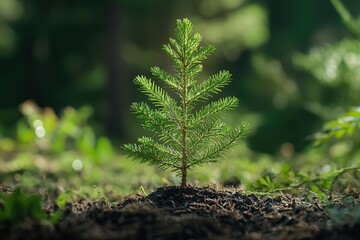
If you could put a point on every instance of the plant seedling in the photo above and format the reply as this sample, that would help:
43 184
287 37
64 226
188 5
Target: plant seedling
185 135
102 196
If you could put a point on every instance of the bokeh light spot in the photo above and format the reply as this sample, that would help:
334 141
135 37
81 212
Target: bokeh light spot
40 132
37 123
77 165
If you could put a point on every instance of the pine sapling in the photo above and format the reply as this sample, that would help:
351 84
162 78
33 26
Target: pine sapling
185 135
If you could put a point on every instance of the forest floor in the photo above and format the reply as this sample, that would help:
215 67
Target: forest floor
187 213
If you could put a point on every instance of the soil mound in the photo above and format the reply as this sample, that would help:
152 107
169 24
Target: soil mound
185 213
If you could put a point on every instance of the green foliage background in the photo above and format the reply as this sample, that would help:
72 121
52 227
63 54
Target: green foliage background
294 64
75 53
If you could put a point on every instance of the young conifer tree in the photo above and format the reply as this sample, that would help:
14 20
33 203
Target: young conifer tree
185 135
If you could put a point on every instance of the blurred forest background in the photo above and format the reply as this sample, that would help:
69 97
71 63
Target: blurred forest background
86 53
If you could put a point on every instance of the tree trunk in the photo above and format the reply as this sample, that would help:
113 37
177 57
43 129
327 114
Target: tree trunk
183 177
117 82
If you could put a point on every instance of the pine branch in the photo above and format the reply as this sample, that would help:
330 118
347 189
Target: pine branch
155 93
153 153
167 78
214 152
156 122
212 110
199 55
211 86
200 137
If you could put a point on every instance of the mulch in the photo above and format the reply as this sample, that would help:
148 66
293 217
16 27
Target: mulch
187 213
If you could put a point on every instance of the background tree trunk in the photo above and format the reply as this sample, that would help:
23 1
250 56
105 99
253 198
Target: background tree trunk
117 84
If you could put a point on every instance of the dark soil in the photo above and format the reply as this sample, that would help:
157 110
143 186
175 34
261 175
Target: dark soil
187 213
